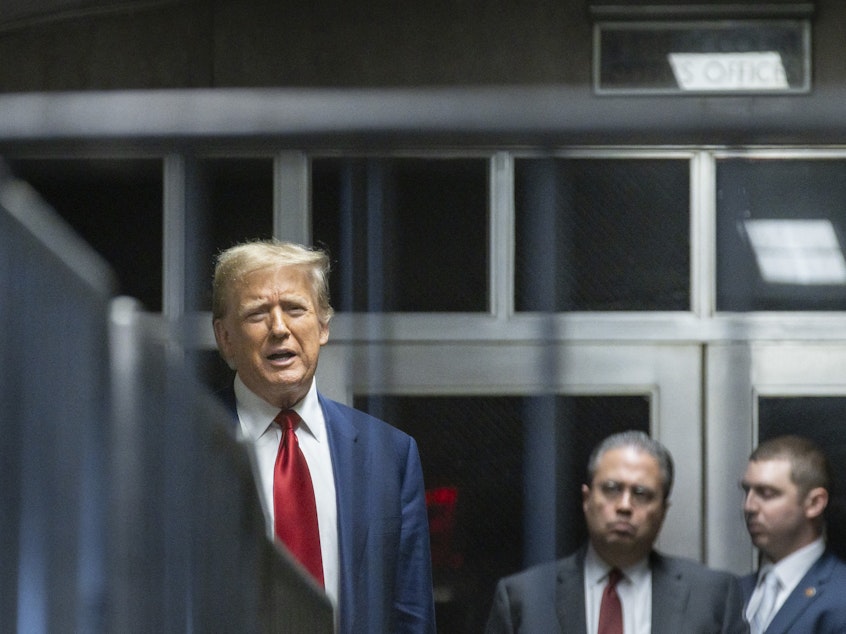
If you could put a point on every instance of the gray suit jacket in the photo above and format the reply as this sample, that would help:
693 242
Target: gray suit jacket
687 598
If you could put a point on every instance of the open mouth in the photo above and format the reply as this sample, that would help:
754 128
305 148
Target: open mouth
280 356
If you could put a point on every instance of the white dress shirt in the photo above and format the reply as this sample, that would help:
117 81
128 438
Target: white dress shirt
789 571
263 436
634 590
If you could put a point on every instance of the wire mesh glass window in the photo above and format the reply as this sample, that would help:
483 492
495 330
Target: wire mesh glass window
781 228
238 194
481 467
602 234
406 234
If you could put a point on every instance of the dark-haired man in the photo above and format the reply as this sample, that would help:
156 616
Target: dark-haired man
800 586
617 582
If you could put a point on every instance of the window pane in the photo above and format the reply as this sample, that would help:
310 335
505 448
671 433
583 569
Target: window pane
780 232
602 235
238 194
406 235
115 206
474 454
820 419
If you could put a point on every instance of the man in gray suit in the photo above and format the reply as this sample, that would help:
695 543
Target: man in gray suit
617 582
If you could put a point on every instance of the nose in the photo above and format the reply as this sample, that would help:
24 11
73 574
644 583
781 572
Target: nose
750 504
624 503
278 325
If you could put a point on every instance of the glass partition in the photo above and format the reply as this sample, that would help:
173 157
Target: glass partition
602 234
479 465
781 225
238 195
408 234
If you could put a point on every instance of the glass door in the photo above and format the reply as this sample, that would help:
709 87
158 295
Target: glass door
504 446
757 391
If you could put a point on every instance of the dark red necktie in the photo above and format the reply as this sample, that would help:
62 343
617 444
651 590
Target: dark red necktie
294 509
611 610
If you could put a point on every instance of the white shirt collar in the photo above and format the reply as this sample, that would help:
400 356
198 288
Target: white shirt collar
256 414
792 568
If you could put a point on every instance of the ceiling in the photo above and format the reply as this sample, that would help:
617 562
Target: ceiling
20 13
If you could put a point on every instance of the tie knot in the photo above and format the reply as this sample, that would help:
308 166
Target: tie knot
761 609
287 419
614 577
771 580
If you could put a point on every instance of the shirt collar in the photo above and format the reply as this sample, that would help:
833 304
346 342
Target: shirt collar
596 569
792 568
256 415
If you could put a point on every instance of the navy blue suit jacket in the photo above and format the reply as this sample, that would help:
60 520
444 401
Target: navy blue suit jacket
687 598
383 530
816 606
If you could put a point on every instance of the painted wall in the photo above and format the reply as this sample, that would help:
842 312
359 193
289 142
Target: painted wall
251 43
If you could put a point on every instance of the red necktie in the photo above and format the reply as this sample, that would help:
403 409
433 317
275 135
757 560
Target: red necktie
611 610
294 510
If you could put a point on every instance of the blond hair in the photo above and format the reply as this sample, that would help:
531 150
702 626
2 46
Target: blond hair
235 262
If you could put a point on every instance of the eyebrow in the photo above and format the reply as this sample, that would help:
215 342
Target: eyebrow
757 486
252 303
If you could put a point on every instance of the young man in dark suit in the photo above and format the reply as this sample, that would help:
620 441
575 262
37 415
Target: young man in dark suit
800 586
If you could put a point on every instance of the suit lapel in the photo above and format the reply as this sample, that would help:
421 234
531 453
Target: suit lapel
227 397
570 594
673 593
346 465
810 588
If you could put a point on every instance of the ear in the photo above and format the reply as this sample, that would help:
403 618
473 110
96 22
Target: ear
324 333
224 343
815 502
585 494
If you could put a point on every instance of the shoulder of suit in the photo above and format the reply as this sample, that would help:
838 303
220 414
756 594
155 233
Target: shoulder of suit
686 566
331 407
543 574
836 564
362 420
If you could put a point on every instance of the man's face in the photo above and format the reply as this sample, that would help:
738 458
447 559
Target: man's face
624 505
777 515
271 333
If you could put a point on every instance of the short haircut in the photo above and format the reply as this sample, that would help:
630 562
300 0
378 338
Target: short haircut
809 467
236 262
642 442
